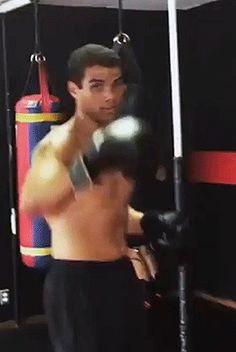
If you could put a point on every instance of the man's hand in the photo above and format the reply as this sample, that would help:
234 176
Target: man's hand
166 229
118 151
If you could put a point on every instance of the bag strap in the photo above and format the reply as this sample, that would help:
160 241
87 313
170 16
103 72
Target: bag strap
44 91
40 60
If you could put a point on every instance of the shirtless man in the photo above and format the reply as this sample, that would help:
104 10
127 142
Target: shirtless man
93 300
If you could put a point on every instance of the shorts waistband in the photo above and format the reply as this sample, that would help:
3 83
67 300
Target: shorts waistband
123 259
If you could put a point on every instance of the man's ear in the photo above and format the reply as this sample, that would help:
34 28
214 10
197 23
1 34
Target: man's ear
72 89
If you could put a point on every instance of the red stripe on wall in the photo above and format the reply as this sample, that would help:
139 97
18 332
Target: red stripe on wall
212 167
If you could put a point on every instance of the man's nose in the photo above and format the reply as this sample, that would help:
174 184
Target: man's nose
109 94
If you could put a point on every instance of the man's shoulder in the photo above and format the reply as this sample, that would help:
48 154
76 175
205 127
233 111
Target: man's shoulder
53 140
42 149
60 134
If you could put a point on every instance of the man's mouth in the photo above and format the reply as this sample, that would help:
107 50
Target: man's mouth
109 109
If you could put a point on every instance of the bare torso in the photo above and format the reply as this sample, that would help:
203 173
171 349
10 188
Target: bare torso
89 228
92 225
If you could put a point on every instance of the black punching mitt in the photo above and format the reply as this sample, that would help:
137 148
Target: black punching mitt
166 229
119 149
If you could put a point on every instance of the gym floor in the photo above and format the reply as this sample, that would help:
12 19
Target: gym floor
31 336
213 330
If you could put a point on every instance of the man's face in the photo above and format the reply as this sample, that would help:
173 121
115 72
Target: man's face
101 93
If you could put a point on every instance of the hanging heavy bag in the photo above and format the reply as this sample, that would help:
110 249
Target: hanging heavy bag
35 115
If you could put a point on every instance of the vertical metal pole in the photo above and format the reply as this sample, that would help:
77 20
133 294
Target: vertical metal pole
175 87
178 157
10 127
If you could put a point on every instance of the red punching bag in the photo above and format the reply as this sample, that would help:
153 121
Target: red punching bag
35 115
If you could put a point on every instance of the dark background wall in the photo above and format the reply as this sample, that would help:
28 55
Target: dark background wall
212 114
207 65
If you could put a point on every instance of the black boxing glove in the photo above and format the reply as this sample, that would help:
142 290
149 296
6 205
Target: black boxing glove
165 229
118 151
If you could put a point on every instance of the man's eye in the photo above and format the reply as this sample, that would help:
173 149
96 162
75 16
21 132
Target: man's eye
96 85
119 82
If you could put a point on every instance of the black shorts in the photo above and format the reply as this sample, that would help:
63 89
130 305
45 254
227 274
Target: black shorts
95 307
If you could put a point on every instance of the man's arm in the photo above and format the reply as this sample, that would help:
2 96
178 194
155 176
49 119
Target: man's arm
47 183
144 262
134 218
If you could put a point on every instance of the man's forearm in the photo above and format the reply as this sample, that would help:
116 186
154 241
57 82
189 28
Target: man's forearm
134 218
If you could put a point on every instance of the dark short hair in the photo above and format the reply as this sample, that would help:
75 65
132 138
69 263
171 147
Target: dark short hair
87 56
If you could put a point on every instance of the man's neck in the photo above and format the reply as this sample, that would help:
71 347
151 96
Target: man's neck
83 129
